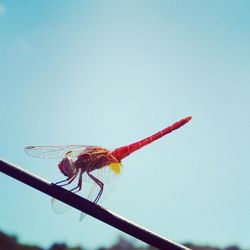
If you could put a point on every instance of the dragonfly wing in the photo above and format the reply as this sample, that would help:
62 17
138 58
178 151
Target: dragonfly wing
92 193
54 152
106 174
91 189
59 207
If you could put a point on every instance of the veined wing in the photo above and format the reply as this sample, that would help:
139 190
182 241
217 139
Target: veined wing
89 192
59 207
93 192
105 175
90 189
55 152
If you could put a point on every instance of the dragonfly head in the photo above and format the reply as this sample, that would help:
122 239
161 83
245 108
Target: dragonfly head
67 167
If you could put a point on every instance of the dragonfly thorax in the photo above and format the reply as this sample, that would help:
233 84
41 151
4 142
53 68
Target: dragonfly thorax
67 167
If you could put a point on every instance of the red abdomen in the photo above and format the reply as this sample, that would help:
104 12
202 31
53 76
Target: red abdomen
124 151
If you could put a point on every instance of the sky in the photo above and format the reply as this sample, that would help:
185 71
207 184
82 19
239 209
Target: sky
110 73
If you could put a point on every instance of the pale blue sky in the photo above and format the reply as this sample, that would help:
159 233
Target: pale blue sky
111 72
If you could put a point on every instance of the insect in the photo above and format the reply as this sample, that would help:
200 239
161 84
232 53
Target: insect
79 160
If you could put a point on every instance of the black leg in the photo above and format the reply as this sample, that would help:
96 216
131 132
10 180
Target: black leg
68 180
99 183
63 181
79 185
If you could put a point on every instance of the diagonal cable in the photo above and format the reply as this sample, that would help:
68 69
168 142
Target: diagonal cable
89 207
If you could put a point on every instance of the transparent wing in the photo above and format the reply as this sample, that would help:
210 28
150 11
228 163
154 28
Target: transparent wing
90 189
105 175
59 207
54 152
93 192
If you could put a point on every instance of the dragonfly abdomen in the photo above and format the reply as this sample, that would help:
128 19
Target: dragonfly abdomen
124 151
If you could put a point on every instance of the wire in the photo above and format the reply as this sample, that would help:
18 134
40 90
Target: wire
89 207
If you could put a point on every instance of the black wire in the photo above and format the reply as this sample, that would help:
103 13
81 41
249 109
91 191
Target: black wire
89 207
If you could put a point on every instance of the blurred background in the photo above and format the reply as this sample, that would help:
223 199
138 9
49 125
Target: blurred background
110 73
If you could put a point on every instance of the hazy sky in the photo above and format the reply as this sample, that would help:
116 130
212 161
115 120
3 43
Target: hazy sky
109 73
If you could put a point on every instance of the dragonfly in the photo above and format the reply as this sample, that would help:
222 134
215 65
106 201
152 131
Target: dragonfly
77 161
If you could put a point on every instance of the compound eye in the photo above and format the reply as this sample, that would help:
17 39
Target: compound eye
67 167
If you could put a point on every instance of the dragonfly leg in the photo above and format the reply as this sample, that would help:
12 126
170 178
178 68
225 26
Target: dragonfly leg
68 180
99 183
79 185
63 180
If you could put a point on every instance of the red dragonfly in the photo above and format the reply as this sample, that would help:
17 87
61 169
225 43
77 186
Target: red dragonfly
79 160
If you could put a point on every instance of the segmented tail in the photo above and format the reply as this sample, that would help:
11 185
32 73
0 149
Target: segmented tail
124 151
